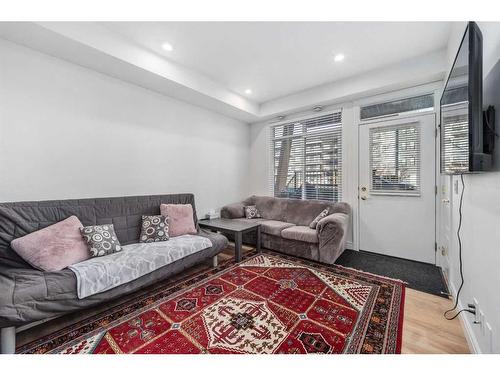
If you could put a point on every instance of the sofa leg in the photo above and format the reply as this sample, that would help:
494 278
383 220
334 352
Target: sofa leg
8 340
215 261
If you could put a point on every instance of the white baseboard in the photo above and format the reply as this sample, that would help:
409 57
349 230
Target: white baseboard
466 325
349 245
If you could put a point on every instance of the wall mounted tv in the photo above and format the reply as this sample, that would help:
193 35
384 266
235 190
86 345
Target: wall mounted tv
466 141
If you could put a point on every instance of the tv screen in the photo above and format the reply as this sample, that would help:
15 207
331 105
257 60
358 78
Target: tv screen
462 146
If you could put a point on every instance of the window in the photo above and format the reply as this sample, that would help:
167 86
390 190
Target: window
395 159
307 158
393 108
455 131
455 142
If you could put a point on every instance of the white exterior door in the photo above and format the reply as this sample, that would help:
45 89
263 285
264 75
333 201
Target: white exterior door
397 187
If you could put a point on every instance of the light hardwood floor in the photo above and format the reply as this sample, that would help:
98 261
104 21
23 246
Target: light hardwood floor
425 330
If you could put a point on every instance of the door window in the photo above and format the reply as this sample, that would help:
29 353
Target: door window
395 159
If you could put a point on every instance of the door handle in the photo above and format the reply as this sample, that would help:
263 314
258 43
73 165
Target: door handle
445 200
363 193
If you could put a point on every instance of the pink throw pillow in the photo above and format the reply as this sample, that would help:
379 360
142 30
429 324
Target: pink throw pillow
54 247
180 219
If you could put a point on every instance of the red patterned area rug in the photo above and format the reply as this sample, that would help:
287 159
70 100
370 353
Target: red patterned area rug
269 303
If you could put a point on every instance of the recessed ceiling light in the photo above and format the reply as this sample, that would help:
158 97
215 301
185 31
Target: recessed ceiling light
248 91
167 47
338 57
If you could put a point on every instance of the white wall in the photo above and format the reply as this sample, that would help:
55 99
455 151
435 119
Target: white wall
69 132
481 225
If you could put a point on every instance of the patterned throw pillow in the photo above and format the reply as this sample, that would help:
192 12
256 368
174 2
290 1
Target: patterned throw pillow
323 214
251 212
101 239
154 228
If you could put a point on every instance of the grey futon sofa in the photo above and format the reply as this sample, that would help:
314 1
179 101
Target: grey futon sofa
28 295
285 226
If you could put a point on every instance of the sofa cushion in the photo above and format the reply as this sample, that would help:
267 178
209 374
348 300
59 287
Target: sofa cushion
274 227
270 208
296 211
300 233
233 211
180 219
54 247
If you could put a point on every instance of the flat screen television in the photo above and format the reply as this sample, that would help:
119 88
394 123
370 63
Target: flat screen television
464 147
491 100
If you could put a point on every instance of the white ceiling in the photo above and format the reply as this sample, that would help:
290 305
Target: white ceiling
289 66
276 59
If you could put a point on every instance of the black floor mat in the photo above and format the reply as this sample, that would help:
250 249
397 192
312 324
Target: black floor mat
420 276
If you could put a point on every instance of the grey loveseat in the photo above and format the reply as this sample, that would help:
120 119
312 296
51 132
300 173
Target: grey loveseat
285 226
28 295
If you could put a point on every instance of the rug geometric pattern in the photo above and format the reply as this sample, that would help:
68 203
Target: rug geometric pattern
267 304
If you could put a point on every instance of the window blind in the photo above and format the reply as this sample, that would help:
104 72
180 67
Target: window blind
455 143
395 159
307 158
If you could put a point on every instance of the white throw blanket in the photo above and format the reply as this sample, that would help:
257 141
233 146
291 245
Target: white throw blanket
99 274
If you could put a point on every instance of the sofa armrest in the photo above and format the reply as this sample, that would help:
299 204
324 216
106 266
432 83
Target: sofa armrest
332 233
233 211
219 241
